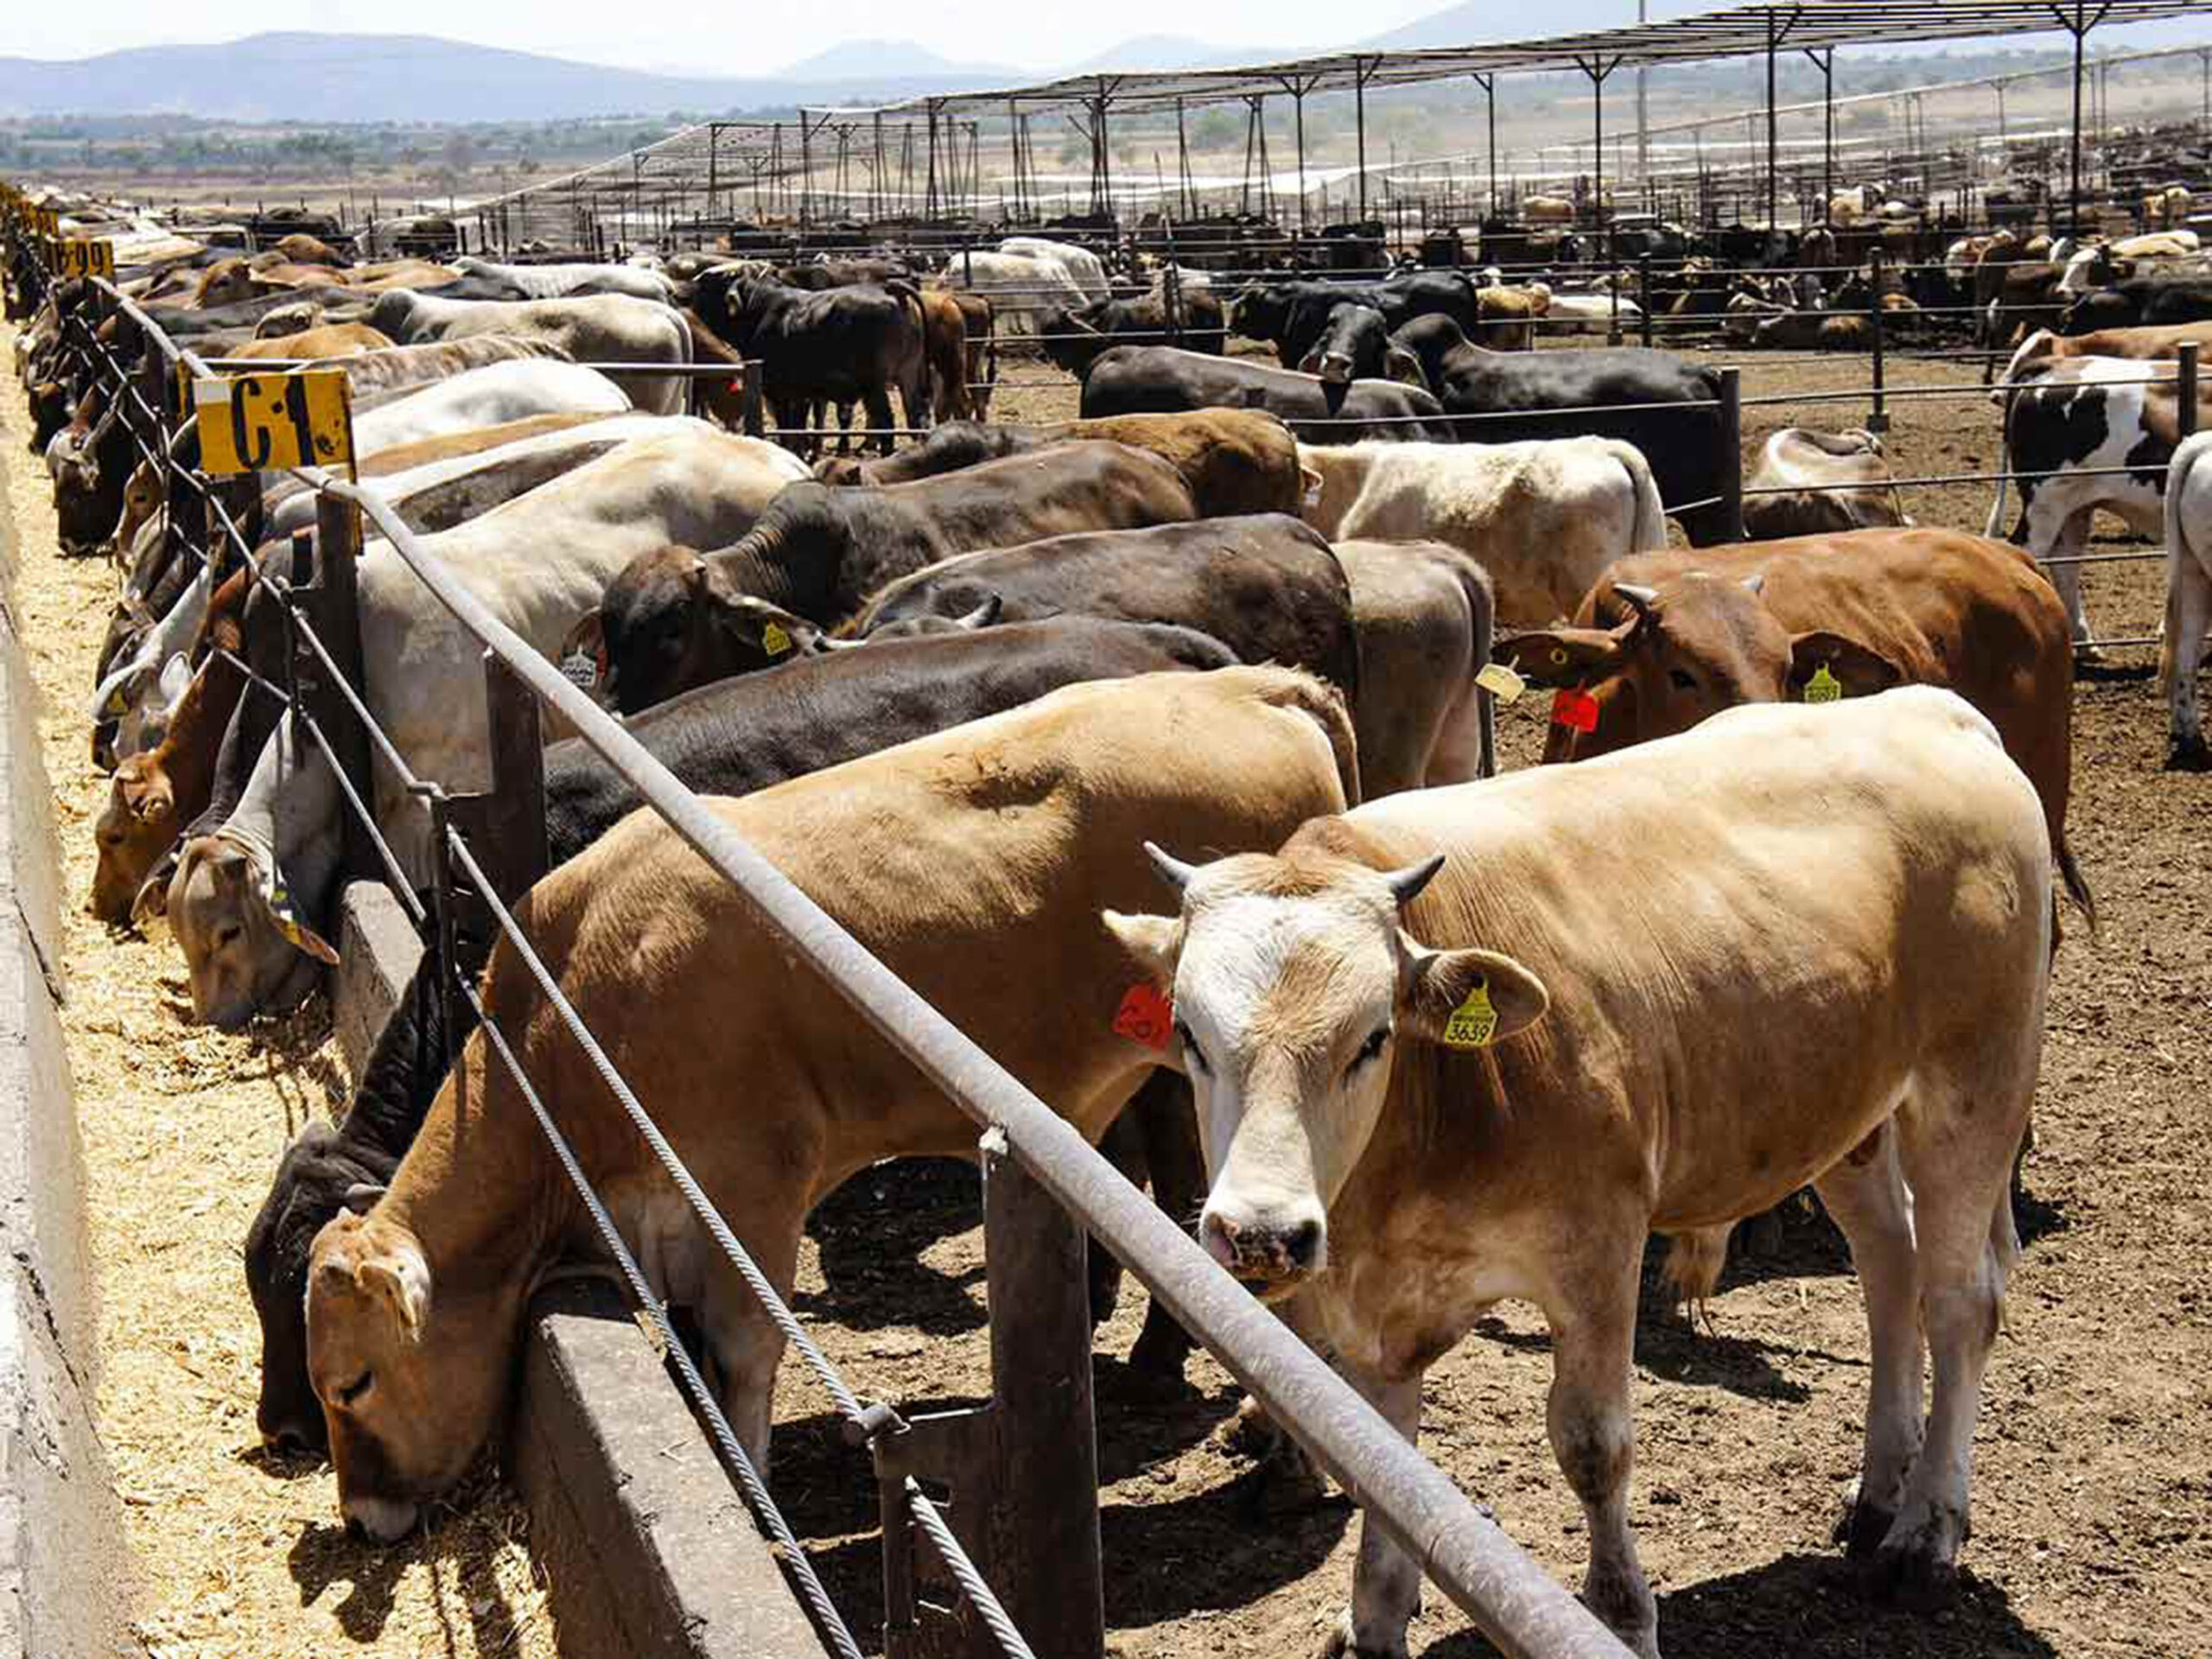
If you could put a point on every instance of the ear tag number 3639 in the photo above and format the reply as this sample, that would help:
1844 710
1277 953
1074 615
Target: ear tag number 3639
1474 1022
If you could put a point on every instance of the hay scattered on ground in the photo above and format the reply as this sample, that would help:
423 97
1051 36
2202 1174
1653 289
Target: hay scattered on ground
237 1553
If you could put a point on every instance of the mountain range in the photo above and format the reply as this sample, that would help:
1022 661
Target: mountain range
298 76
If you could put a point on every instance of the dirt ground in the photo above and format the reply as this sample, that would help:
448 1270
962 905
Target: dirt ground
2095 1452
240 1554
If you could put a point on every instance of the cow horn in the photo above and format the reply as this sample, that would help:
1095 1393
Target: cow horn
1755 581
1405 885
983 616
1640 598
1175 873
361 1196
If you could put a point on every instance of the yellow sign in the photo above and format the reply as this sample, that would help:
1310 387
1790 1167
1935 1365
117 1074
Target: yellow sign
1823 687
1474 1022
250 421
88 257
45 222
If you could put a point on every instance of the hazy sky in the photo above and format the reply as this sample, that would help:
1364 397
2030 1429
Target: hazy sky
749 38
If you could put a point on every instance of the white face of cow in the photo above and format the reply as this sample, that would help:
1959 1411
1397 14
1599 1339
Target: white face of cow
1294 987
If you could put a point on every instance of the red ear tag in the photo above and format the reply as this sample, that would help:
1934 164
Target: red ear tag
737 388
1144 1016
1576 709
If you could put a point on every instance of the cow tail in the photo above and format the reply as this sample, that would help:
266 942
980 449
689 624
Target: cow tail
1649 535
2078 886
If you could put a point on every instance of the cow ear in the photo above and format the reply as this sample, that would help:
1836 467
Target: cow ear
1467 998
177 679
149 796
1860 669
1402 365
391 1267
1561 656
362 1196
1153 944
584 640
769 629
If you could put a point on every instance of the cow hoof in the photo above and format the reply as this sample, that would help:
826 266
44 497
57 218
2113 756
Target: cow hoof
1338 1644
1861 1528
2190 757
1914 1580
1160 1351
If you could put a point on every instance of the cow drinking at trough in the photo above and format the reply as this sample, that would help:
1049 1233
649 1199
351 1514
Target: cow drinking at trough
1437 1066
731 738
969 863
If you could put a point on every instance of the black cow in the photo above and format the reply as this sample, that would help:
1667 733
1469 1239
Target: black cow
1160 380
949 446
825 274
1074 339
726 739
2139 302
1683 445
1355 345
671 620
1292 315
844 346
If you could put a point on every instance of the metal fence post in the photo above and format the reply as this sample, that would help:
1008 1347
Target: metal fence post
752 420
333 608
1877 419
2185 389
1643 291
513 848
1732 446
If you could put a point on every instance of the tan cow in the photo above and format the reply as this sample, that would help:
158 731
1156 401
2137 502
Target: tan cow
320 343
1441 1058
1665 640
2152 343
1543 518
1836 480
973 863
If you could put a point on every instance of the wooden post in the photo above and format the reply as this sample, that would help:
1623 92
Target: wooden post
1732 444
332 607
1044 1519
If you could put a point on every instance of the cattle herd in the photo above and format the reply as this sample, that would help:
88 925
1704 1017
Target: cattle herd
1188 703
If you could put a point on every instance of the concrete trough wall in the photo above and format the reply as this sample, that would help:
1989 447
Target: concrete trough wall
64 1569
648 1549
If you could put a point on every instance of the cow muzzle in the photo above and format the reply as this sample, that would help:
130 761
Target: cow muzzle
1274 1254
1336 369
384 1519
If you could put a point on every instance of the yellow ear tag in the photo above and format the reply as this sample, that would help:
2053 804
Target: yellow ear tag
1823 687
1559 657
1474 1022
1501 681
774 640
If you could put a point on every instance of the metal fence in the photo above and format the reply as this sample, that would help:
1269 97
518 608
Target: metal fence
1023 1467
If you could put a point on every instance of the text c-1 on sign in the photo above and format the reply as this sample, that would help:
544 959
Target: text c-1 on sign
250 421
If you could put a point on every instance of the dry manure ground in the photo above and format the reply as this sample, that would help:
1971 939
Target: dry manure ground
2095 1450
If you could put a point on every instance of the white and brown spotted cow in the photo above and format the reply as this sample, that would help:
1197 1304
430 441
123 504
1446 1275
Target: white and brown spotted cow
1458 1047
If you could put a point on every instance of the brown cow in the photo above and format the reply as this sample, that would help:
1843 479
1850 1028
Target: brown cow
2154 343
945 352
321 343
973 863
1666 640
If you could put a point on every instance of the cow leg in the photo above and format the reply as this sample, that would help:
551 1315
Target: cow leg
1593 1436
879 419
1866 1196
1122 1145
2071 541
1385 1581
1956 1142
743 1342
1177 1168
2189 613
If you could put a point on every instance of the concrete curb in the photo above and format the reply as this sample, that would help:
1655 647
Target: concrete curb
65 1573
648 1550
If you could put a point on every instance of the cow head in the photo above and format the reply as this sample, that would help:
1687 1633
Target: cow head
49 413
321 1175
138 825
981 615
1294 986
1686 651
138 701
669 622
247 947
143 494
412 1373
1351 347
